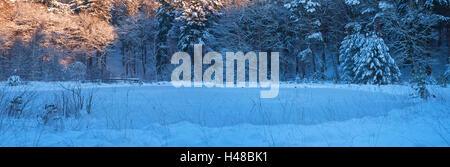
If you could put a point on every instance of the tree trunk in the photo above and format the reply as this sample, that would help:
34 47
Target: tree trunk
302 66
104 58
122 50
89 66
313 59
448 43
336 67
135 58
144 58
324 60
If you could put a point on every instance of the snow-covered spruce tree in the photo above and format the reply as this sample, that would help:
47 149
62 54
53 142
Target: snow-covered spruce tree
366 59
374 64
362 13
304 11
350 47
166 16
196 17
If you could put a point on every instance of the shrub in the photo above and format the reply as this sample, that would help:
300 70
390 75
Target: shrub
17 103
52 116
15 107
73 100
420 83
316 77
14 80
20 103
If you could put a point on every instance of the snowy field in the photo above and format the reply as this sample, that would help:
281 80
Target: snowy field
302 115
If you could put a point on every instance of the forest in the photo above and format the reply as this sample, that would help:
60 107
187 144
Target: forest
350 41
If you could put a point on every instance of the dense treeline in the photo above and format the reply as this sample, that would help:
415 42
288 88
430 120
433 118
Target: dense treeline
370 42
37 43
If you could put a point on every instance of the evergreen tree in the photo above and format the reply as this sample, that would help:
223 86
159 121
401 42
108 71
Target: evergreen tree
350 46
166 16
374 64
123 9
304 12
410 25
196 17
366 59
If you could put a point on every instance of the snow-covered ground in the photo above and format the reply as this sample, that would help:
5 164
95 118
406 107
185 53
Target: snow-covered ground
302 115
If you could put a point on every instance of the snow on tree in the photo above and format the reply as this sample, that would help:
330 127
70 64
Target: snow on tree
431 3
45 41
374 64
14 80
366 59
55 6
165 16
260 27
350 46
123 9
119 13
352 2
100 9
410 26
46 36
135 35
304 11
362 12
196 17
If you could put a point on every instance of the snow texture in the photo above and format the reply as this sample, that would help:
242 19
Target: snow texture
303 115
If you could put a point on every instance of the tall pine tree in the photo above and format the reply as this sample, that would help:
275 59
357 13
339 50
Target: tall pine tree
374 64
166 16
366 59
350 46
196 17
304 12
